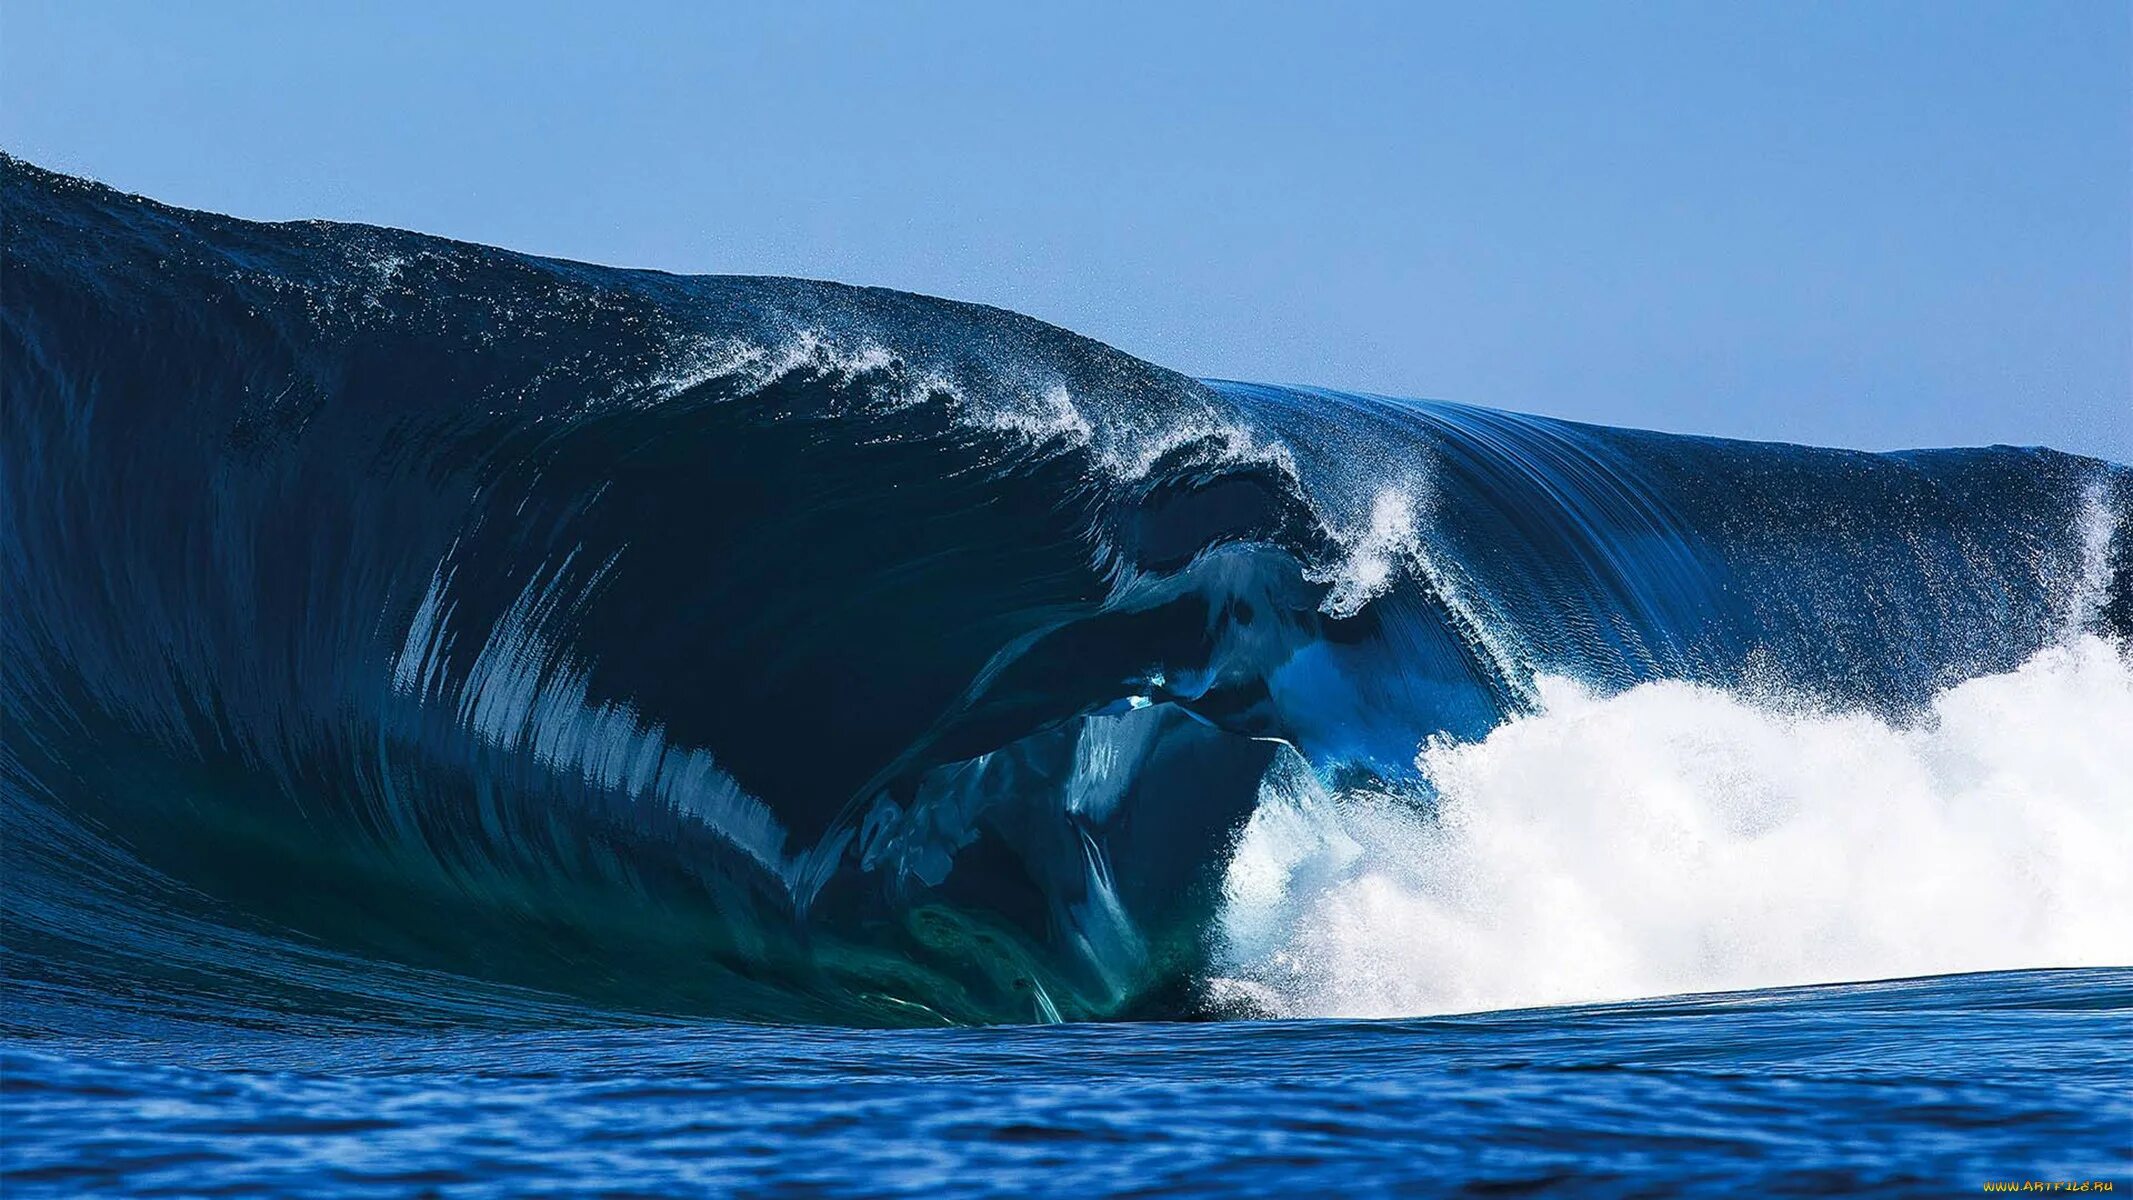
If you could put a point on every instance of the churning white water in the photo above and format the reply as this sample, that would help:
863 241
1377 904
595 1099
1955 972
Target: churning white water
1677 838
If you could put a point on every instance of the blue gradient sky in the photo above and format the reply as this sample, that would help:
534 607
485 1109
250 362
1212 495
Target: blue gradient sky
1864 224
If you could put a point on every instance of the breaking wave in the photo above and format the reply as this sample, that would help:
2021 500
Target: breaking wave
1677 838
402 629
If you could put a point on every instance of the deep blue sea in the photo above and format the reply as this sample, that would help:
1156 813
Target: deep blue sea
474 724
1930 1087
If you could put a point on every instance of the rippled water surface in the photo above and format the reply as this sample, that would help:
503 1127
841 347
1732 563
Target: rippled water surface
1932 1087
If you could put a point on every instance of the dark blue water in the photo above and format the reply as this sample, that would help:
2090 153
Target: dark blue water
477 724
1924 1087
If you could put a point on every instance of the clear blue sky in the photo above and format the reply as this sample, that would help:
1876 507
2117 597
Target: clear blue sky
1865 224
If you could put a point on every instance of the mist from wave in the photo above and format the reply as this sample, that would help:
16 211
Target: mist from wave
1679 838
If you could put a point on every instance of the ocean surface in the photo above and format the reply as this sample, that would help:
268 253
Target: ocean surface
478 724
1923 1087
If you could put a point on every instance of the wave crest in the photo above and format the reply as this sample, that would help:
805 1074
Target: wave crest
457 623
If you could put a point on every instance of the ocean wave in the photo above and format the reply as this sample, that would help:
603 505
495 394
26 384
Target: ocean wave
420 631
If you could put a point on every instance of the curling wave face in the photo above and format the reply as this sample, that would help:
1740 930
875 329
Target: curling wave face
405 629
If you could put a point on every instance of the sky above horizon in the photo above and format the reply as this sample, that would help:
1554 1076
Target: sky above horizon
1873 225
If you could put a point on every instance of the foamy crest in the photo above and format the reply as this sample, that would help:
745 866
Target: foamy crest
1376 553
1676 838
1044 415
753 365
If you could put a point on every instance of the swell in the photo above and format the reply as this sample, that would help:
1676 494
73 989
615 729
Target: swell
411 629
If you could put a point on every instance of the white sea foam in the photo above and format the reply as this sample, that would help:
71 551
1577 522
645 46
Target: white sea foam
1043 415
2094 528
753 365
1131 448
1377 551
1676 838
